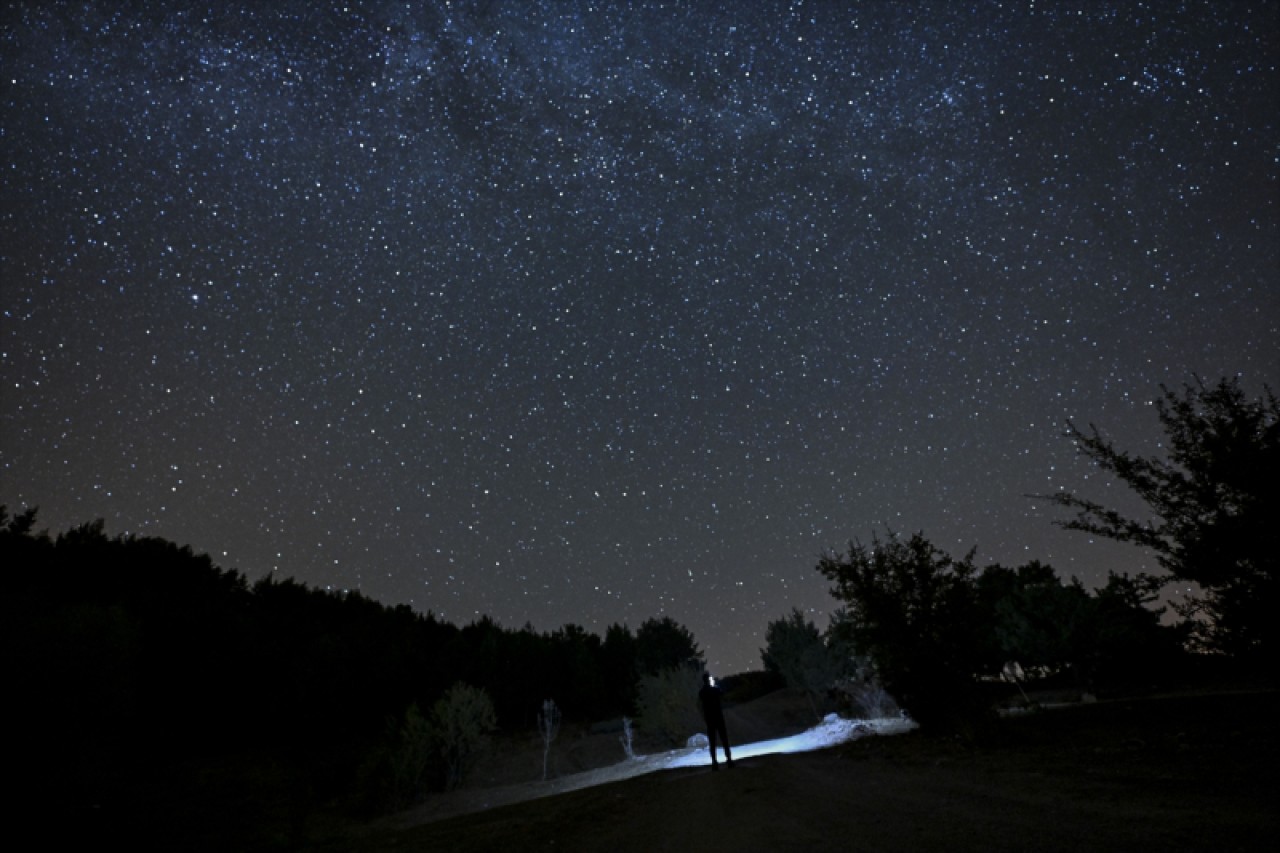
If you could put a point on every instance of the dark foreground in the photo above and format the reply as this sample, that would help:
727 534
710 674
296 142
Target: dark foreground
1181 773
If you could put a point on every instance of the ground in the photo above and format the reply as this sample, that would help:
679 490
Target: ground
1188 772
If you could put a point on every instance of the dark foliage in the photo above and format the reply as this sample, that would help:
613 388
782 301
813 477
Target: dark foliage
664 643
796 650
914 612
933 627
747 686
1215 502
618 675
131 657
1098 639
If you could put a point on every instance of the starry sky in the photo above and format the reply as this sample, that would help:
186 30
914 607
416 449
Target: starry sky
590 312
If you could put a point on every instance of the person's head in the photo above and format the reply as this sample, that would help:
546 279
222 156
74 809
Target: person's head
707 679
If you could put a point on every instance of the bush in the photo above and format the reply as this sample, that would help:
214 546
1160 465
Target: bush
396 775
796 650
461 722
668 703
867 699
914 613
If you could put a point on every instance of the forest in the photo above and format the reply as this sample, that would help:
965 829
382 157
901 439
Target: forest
132 659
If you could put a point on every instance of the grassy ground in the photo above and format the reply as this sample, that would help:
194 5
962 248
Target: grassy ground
1175 773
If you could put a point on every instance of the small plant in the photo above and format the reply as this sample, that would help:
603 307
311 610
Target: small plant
868 699
394 775
668 703
548 727
627 738
462 720
412 757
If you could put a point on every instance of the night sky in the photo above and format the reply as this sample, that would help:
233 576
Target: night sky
591 311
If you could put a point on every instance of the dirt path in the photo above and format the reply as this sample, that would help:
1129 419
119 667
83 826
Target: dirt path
832 732
1189 774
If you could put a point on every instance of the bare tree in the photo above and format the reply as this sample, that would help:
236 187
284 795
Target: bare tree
628 734
548 727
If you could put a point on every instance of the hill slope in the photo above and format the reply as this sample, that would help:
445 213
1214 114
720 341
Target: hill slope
1181 773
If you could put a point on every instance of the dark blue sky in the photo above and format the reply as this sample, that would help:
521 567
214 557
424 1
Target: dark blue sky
594 311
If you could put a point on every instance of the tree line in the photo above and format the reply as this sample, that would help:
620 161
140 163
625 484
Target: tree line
132 657
943 639
124 651
931 629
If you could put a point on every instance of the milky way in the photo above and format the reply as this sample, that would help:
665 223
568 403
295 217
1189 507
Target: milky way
591 311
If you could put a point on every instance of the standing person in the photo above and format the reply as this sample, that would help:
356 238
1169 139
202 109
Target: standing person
713 713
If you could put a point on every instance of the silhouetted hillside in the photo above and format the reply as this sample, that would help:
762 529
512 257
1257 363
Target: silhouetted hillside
132 659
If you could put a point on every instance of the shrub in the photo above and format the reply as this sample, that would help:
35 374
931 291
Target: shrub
461 722
395 776
913 611
668 703
796 650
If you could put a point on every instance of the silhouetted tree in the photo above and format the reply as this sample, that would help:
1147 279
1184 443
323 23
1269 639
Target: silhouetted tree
572 656
1047 627
857 686
19 525
796 649
664 643
914 612
1043 626
1215 502
618 670
1129 642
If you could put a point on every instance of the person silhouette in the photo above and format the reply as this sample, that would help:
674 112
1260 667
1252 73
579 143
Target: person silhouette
709 697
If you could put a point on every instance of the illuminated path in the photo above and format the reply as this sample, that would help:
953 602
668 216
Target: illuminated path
833 730
830 732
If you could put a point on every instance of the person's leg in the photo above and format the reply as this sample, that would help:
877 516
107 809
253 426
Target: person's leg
724 738
711 742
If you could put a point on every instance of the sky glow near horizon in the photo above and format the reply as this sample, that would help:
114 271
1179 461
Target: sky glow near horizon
595 311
